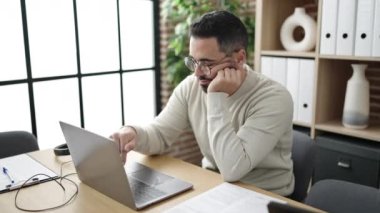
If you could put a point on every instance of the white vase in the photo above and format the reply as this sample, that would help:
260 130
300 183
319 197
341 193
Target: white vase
299 19
356 103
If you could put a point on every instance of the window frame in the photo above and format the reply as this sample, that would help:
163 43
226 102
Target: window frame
79 75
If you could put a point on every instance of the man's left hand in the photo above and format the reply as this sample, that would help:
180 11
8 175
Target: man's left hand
227 80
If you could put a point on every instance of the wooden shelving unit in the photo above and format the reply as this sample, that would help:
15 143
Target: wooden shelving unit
284 53
335 126
331 71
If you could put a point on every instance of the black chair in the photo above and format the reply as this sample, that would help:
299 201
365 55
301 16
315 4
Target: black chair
17 142
303 154
342 196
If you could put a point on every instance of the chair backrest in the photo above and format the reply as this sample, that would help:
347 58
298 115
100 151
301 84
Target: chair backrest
17 142
303 154
342 196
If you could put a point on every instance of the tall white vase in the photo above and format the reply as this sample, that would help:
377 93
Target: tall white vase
356 103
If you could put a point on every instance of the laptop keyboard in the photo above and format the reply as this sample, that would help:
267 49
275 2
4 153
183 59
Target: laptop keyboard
142 191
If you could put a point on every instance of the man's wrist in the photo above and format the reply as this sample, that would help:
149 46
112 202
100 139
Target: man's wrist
216 102
130 127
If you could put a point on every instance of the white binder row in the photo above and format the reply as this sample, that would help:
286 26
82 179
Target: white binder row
297 75
350 27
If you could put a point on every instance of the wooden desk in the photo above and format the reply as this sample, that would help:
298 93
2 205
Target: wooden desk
89 200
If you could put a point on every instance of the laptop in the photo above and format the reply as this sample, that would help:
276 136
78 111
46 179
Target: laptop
98 164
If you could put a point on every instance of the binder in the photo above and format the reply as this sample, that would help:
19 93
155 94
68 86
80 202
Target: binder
329 27
292 82
279 70
266 66
346 27
376 31
18 169
364 27
305 89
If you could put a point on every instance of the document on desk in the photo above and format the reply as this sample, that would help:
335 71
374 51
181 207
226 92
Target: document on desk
226 198
17 169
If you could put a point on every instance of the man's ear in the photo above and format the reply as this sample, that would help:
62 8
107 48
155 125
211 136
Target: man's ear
241 56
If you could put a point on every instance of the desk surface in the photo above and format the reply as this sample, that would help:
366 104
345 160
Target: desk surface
89 200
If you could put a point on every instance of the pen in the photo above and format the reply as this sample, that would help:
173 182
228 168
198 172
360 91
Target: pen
6 172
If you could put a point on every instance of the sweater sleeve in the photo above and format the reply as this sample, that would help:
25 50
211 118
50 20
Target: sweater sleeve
237 152
156 137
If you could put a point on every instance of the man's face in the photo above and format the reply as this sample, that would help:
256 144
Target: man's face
206 52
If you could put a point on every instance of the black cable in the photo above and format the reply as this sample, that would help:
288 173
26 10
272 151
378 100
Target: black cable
64 177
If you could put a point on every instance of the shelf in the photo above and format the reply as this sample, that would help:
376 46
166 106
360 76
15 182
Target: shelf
335 126
351 58
331 71
303 124
285 53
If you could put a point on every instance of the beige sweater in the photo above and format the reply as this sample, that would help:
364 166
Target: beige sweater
246 137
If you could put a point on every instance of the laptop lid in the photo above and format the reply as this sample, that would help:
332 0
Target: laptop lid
98 164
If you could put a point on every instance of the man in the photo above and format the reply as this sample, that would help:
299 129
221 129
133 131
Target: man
242 121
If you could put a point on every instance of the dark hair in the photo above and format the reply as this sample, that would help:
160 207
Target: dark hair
228 30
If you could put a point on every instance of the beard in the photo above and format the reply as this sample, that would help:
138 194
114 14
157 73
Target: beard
204 86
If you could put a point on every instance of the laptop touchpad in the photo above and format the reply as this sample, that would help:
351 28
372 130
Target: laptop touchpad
146 174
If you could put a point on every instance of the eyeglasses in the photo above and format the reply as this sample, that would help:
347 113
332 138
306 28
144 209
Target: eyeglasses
204 66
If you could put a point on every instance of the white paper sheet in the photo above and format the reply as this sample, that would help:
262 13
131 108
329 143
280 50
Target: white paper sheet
21 168
226 198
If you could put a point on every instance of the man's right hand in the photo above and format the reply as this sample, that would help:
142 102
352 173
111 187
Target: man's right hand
126 138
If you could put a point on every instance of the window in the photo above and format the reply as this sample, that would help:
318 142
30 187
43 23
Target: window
92 63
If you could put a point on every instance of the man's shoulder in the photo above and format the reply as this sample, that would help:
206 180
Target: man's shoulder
261 83
266 90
